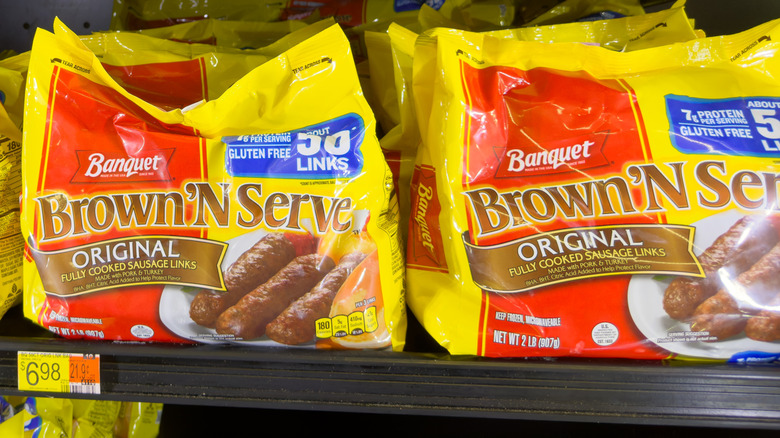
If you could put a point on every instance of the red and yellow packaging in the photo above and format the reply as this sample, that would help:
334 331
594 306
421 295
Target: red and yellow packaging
205 222
574 201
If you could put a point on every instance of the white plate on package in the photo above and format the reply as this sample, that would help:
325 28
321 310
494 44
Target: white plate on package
645 303
176 300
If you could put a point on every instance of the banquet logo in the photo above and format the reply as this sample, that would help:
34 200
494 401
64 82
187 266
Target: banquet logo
575 154
101 166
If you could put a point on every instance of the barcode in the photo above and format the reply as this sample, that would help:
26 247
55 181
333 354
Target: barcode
81 388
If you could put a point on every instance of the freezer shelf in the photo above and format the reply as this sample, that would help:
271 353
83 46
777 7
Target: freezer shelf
431 384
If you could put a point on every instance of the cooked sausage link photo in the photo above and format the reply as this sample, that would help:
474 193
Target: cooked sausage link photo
720 316
295 325
728 312
247 318
683 295
259 263
252 268
206 307
766 325
735 251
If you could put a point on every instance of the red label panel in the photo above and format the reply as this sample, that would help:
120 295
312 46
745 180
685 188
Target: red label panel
425 246
532 130
97 131
167 85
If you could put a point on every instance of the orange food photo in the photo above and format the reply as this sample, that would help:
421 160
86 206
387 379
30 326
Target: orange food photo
357 311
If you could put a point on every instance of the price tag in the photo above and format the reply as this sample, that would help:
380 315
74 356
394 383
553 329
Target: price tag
59 372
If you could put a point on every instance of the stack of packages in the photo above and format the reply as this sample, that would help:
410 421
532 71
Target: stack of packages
533 178
600 188
56 418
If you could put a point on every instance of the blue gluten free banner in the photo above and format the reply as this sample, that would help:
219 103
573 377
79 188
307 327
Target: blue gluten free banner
328 150
747 126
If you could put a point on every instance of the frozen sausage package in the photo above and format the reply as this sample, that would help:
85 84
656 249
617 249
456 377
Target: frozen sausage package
260 214
570 200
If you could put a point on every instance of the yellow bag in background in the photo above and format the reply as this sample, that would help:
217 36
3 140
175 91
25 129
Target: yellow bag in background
353 13
382 87
36 417
527 10
480 15
586 10
356 34
26 425
430 18
147 14
383 77
138 420
13 73
226 33
389 88
47 417
56 415
622 34
95 418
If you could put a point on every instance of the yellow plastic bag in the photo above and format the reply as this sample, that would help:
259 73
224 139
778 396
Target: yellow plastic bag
36 417
480 15
147 14
27 425
46 417
237 34
13 73
586 10
389 86
383 77
623 34
56 415
403 140
95 418
352 13
7 53
576 201
236 219
138 420
356 34
381 84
